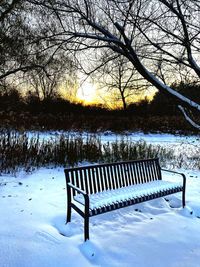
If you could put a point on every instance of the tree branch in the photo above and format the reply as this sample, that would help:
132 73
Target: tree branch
9 9
23 69
186 41
188 118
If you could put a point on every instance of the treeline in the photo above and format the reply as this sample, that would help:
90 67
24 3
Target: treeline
13 101
161 114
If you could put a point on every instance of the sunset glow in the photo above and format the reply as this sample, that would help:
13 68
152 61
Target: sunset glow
87 93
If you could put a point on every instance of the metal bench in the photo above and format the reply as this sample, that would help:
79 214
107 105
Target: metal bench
96 189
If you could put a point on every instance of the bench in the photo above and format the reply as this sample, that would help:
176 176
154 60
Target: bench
96 189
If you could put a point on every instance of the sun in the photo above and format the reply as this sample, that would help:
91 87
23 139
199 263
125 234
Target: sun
87 93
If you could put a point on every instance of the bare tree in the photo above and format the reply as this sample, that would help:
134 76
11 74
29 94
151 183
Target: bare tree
19 34
70 87
7 7
46 84
12 40
162 31
120 81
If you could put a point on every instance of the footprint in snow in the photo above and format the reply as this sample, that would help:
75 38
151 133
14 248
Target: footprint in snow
42 235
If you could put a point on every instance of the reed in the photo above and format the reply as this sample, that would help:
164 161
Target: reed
20 151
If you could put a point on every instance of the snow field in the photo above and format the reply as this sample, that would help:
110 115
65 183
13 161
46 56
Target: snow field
156 233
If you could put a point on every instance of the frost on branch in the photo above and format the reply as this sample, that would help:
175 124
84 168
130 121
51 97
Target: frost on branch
188 118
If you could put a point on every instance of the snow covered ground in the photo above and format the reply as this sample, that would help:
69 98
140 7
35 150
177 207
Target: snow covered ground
156 138
157 233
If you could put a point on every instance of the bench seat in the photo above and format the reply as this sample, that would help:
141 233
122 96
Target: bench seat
110 197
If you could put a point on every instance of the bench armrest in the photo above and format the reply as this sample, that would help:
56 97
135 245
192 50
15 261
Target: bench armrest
182 174
86 197
76 189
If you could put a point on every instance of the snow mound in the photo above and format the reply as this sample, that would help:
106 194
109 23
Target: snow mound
70 229
187 212
89 250
174 201
195 206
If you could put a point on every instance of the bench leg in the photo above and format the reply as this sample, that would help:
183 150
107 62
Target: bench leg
183 198
86 228
69 212
183 194
69 208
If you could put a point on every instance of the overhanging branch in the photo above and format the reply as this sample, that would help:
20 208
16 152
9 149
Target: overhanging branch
23 69
188 118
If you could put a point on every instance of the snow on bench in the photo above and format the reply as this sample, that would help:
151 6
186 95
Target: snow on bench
109 197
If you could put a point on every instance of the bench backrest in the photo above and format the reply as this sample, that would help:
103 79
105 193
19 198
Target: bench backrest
101 177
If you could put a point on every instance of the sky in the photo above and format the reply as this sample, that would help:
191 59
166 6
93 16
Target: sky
88 93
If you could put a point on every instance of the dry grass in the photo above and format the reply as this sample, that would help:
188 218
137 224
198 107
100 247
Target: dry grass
19 151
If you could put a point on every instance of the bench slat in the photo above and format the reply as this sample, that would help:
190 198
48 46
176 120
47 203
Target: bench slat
119 175
141 172
116 176
105 178
132 176
147 171
76 177
123 175
126 176
129 173
158 170
72 180
148 179
82 179
109 177
98 181
138 173
86 181
93 181
102 178
110 170
90 181
151 170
